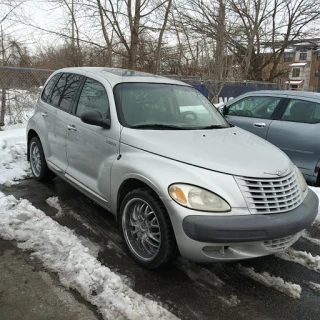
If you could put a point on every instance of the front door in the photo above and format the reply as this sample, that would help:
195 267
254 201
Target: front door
91 149
253 113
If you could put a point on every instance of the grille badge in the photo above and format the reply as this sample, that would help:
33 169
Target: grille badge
278 173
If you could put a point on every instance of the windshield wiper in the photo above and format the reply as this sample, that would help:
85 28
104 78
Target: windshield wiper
158 126
214 127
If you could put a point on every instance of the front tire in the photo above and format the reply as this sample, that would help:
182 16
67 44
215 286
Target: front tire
38 162
146 229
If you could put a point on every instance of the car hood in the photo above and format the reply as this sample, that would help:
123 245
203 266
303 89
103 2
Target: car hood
230 150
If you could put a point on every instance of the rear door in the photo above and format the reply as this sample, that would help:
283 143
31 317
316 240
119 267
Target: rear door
253 113
61 102
46 114
297 133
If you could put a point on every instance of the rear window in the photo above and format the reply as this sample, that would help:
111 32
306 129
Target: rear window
46 93
64 92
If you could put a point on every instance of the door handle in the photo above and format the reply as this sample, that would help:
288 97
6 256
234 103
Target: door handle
259 125
44 114
71 127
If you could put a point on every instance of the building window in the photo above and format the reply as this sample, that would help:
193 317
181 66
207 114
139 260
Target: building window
318 55
296 72
303 56
288 56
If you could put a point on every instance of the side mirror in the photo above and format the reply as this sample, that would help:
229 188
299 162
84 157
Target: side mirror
95 118
224 110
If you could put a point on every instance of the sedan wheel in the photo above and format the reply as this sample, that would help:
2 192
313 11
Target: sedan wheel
38 162
141 229
147 229
35 159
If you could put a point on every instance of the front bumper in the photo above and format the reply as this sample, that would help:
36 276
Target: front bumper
205 238
252 227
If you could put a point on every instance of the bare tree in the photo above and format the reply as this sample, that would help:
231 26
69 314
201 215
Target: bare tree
131 19
7 9
162 30
276 25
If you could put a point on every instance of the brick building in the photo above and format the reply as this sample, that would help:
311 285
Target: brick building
304 66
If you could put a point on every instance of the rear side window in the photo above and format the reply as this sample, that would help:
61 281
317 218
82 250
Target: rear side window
64 92
255 107
46 93
93 97
302 111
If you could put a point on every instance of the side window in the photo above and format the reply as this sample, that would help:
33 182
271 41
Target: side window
302 111
255 107
65 90
93 97
46 93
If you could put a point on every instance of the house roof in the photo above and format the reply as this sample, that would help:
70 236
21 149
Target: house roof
294 81
298 64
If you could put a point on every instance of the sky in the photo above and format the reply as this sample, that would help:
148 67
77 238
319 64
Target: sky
21 24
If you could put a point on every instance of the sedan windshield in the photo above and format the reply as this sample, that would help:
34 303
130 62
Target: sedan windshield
165 107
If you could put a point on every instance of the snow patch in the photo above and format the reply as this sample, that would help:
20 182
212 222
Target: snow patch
306 259
307 236
232 302
314 286
61 251
288 288
54 203
13 157
93 247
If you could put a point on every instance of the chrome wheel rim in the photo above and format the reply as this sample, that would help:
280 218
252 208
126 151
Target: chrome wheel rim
141 229
35 159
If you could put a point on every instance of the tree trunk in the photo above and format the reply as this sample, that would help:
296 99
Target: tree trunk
3 106
220 66
132 63
158 53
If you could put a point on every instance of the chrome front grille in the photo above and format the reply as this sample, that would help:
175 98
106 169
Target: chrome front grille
278 245
275 195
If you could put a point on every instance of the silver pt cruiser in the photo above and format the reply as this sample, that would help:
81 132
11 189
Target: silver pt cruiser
175 174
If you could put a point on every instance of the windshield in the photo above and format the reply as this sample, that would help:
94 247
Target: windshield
165 106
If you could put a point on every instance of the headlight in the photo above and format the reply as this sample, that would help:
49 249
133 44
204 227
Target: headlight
197 198
302 180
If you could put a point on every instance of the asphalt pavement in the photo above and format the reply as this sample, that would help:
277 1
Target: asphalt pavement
190 291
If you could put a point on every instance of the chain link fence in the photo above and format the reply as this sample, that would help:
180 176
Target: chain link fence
19 90
241 83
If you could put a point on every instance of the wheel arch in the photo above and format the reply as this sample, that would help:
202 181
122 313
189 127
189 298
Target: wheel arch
129 185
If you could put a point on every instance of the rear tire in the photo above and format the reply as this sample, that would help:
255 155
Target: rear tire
146 229
38 162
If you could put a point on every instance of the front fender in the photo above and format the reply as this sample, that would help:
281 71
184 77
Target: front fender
159 173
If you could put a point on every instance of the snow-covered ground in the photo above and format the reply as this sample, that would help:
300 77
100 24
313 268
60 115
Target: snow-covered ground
61 251
73 258
13 156
20 107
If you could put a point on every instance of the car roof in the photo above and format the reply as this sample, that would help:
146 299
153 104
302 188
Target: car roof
117 75
301 94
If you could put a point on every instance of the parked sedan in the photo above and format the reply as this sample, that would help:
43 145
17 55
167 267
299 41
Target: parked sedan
288 119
